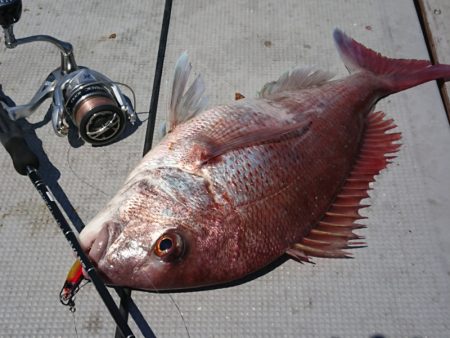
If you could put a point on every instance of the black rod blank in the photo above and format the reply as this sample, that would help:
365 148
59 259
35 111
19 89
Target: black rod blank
26 163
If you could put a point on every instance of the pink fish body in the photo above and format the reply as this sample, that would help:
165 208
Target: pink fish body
231 189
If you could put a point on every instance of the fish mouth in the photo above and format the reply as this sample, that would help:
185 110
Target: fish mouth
107 235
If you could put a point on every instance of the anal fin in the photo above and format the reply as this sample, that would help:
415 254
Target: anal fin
333 234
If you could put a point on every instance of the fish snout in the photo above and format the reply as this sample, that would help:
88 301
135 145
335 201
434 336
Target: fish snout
107 235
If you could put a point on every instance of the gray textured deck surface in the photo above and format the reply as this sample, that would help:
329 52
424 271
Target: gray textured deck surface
397 287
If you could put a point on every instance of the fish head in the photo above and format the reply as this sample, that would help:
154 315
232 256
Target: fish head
140 256
157 238
154 256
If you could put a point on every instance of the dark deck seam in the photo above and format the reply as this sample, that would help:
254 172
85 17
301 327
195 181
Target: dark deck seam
158 75
429 41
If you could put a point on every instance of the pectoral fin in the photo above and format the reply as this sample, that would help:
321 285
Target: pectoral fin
211 148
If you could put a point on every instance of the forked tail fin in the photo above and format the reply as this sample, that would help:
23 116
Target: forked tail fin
398 74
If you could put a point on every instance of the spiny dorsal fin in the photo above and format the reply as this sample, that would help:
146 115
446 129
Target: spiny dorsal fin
299 78
334 232
185 104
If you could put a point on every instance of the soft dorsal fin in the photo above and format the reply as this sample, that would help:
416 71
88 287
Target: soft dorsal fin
185 104
299 78
334 232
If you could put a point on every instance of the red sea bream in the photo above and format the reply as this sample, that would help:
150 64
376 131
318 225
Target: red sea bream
232 188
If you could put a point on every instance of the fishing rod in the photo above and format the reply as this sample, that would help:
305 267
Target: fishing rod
83 100
93 104
26 163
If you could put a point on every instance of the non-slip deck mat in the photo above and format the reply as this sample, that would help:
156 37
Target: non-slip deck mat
396 287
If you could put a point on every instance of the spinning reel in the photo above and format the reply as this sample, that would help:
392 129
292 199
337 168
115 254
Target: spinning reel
89 100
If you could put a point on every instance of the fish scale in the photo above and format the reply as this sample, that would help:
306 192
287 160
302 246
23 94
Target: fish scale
232 188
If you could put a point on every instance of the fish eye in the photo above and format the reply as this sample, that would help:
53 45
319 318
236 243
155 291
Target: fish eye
165 244
169 247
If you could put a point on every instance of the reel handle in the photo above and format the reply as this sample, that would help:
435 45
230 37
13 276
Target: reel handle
11 136
10 12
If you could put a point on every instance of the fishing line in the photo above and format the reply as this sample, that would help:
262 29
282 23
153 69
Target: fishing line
73 309
81 179
130 89
181 314
74 323
141 113
160 295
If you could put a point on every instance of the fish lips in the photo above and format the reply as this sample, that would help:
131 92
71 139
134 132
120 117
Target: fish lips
105 238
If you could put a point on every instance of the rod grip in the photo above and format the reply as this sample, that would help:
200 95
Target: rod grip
11 136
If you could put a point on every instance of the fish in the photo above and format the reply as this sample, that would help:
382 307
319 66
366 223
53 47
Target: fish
233 188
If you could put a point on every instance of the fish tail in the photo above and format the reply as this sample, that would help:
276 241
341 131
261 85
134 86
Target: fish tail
396 74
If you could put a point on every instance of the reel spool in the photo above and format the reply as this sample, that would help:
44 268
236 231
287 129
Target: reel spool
93 108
